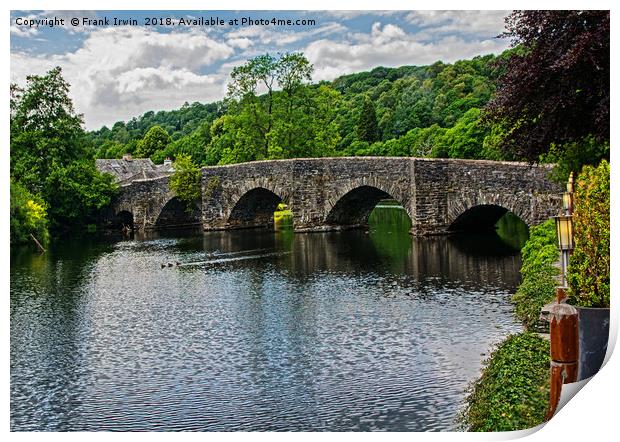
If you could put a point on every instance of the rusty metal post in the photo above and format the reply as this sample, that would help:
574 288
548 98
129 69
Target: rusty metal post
564 333
560 294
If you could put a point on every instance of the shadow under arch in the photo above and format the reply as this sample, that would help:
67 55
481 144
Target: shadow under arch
175 214
480 218
354 207
123 218
490 229
254 209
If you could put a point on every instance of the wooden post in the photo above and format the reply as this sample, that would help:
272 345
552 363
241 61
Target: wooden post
564 333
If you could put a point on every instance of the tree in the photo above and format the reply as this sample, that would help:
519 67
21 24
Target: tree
48 154
185 181
555 88
155 140
254 118
367 127
45 130
465 139
75 194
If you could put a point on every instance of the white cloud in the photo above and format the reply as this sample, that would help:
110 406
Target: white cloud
346 15
488 23
119 73
242 43
269 36
391 46
23 31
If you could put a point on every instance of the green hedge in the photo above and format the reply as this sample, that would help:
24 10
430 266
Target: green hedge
588 271
538 272
513 392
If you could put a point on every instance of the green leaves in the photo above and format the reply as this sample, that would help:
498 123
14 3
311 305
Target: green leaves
589 265
45 131
49 158
155 140
367 128
28 216
185 181
76 193
539 256
513 391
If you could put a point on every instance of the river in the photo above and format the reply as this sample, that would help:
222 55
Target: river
258 330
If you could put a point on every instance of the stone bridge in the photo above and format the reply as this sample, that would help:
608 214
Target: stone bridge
439 195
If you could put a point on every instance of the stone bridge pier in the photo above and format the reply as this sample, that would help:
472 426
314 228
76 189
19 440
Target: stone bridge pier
439 195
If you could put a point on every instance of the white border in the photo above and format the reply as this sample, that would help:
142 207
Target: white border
591 416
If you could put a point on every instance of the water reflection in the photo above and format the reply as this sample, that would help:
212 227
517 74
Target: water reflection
255 330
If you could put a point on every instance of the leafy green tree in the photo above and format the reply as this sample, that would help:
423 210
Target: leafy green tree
76 193
466 137
588 271
28 216
45 130
185 181
573 156
266 126
49 156
367 127
194 145
155 140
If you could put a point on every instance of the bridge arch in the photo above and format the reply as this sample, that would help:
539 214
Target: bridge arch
124 218
176 213
481 213
352 206
254 208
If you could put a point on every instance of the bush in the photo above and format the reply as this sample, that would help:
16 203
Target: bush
75 195
588 270
538 272
28 216
513 391
185 181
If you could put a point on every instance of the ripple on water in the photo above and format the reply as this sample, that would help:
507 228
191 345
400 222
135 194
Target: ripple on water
255 335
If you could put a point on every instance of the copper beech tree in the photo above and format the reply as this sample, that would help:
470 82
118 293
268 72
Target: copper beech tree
555 87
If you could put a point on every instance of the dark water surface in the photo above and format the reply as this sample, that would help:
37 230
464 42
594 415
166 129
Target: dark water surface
256 330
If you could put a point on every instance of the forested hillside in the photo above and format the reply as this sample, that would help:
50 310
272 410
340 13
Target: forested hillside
273 110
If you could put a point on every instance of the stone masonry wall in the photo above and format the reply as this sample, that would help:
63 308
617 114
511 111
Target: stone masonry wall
434 192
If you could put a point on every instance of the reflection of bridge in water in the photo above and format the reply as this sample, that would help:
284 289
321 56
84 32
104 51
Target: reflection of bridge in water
435 259
439 195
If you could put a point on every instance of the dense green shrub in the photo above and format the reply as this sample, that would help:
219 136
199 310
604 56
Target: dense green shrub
185 181
513 392
538 273
28 216
588 271
155 140
76 194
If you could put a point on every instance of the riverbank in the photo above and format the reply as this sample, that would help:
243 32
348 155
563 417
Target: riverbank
513 390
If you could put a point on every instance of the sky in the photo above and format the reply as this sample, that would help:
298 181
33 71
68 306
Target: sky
119 71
